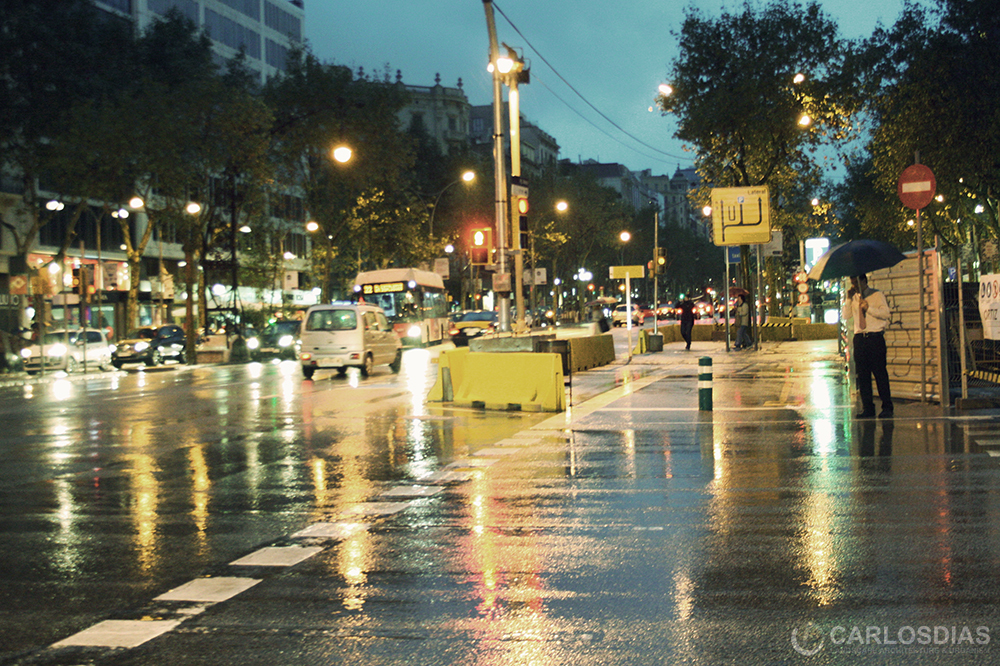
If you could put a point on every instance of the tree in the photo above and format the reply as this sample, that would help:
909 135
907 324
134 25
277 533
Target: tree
318 107
938 90
54 55
742 87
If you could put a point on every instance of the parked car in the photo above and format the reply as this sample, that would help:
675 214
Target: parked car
647 312
279 339
472 325
152 345
340 336
620 316
67 350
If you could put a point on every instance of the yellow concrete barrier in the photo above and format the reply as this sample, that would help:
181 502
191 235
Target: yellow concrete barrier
515 380
591 351
451 372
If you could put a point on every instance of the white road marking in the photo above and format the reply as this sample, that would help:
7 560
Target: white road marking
330 530
412 491
377 508
471 463
119 633
277 556
209 589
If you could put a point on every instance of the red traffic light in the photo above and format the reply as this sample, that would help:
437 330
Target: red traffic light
481 245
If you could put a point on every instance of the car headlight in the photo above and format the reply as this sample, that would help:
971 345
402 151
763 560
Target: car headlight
413 332
253 343
25 353
57 350
141 346
285 341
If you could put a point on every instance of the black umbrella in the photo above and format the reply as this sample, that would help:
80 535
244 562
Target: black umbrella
854 258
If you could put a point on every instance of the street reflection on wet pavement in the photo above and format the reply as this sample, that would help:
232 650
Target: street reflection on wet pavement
360 524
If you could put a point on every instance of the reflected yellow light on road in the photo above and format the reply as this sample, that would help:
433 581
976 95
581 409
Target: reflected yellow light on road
145 501
318 467
352 565
201 483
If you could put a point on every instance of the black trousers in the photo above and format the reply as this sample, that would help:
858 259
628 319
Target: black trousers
686 328
869 361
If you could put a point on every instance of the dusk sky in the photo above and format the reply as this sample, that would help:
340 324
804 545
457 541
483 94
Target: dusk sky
614 54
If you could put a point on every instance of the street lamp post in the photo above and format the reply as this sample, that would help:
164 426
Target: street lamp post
467 177
624 237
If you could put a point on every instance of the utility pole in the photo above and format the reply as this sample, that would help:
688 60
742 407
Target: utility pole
502 276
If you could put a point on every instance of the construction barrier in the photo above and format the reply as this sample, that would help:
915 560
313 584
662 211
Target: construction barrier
590 351
497 380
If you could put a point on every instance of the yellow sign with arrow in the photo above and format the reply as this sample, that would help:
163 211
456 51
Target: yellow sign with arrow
741 215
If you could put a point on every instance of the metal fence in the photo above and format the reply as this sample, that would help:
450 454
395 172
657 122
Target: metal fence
979 377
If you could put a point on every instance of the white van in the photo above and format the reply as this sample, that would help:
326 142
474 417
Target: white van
339 336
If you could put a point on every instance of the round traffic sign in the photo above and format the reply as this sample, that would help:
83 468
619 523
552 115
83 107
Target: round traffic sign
916 186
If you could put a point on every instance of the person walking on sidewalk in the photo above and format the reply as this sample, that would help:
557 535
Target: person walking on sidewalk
870 312
687 320
743 340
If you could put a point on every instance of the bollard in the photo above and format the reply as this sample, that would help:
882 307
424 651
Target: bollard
705 384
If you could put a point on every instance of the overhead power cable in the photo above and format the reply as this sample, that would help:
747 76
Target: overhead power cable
585 100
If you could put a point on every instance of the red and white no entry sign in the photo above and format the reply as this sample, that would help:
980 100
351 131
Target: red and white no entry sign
916 186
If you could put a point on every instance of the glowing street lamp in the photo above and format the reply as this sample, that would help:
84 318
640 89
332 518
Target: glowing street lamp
342 154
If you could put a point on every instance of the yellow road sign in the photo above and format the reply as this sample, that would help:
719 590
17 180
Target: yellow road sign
621 272
741 215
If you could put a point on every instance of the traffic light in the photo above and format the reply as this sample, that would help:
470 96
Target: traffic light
519 204
661 261
481 245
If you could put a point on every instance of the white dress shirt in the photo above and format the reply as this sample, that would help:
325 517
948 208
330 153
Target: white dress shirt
877 317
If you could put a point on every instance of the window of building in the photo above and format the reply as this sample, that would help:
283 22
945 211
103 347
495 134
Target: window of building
452 124
249 8
275 54
188 8
124 6
284 22
227 31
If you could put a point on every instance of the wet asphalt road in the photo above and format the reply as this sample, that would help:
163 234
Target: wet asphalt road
383 530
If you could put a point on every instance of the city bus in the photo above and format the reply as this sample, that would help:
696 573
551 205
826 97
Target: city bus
414 301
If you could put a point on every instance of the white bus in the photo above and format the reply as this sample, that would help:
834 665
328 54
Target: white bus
414 302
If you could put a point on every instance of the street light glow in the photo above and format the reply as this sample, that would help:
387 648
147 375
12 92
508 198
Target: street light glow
799 78
312 225
805 120
505 64
193 208
469 176
342 154
625 236
665 89
136 202
562 206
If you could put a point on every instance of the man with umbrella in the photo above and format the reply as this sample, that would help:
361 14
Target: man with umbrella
870 312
